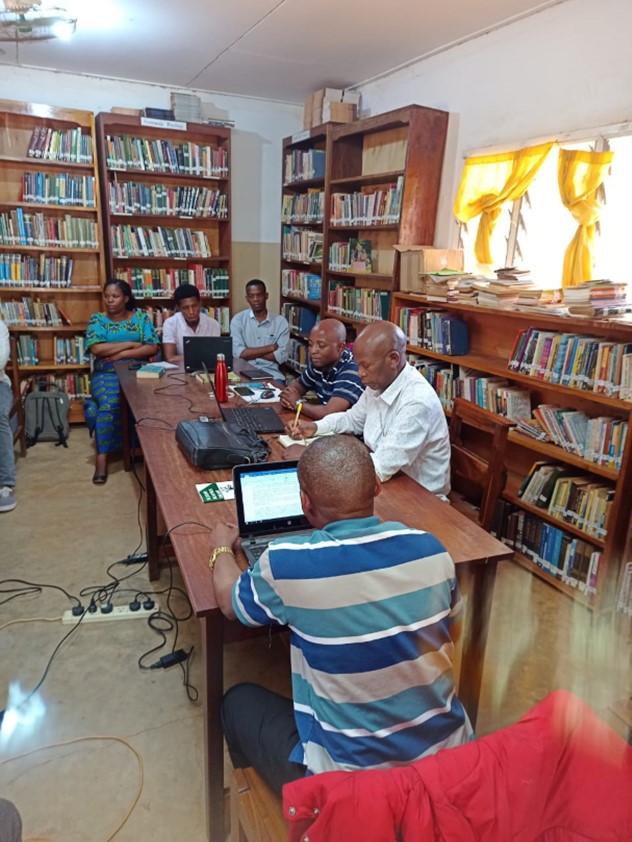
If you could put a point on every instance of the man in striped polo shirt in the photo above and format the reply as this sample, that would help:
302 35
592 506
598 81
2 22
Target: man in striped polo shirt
372 610
331 372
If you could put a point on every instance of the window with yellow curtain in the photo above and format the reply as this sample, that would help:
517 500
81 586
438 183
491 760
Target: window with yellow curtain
580 175
489 182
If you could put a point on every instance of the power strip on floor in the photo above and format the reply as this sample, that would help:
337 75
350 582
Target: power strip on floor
119 612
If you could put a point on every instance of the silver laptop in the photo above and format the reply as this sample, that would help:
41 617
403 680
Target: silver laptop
268 505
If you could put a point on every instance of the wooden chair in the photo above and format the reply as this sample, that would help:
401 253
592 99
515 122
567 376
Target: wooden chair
256 812
474 474
17 407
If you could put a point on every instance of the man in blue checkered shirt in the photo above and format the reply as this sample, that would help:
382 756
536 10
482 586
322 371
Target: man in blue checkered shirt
331 372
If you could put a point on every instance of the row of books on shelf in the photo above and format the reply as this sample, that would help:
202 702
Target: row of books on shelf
75 384
301 284
297 355
624 597
21 270
124 152
364 305
159 314
18 228
71 350
139 241
303 207
351 256
58 189
30 313
569 559
67 350
433 329
600 440
574 360
304 165
212 282
302 245
380 207
300 319
69 145
129 197
578 500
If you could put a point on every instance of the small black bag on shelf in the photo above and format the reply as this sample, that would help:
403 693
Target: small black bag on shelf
212 445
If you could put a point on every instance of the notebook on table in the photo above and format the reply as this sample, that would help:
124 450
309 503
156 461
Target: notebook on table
268 505
200 351
255 373
255 419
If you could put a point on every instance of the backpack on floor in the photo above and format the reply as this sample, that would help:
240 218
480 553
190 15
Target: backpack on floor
46 411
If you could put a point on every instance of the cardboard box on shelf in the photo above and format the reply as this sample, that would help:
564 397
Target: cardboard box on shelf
419 260
339 112
307 112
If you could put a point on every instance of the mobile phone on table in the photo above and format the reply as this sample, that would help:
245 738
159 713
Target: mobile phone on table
244 391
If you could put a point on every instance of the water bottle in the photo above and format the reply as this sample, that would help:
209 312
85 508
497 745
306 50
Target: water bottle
221 379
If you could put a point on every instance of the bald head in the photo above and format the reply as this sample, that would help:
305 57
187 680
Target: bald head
337 476
327 342
380 352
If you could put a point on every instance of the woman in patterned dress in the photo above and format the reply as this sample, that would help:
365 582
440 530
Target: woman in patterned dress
121 333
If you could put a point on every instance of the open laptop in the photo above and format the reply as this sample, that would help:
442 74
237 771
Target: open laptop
255 419
268 505
204 349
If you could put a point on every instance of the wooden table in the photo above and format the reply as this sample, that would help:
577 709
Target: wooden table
157 406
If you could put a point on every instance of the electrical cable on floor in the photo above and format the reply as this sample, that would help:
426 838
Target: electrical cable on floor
95 738
31 620
31 588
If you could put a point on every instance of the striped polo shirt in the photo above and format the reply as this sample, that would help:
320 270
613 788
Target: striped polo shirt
340 381
369 606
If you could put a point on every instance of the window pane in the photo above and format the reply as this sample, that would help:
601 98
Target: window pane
612 247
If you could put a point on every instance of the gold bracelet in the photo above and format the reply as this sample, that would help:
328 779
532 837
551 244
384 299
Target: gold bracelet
217 552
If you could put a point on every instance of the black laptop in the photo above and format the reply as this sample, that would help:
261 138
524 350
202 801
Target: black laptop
255 419
203 350
268 505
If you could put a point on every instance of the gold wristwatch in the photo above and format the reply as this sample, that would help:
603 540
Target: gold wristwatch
217 552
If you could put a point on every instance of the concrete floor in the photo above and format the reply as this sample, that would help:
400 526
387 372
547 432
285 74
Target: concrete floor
66 532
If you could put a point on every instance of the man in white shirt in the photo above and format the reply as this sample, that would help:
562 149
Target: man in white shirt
258 335
7 456
399 414
187 321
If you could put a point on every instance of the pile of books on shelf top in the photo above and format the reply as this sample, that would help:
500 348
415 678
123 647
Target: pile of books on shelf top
514 289
598 299
186 107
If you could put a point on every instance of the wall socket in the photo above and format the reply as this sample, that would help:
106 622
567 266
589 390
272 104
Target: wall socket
119 612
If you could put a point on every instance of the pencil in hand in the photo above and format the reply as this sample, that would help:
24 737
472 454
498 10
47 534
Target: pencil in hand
299 407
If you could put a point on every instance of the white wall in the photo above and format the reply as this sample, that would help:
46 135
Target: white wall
564 69
260 126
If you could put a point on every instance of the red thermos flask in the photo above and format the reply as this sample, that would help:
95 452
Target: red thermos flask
221 379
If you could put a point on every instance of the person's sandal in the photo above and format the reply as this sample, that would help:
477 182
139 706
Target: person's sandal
100 479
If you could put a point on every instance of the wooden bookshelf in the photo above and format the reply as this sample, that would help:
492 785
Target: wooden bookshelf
294 267
397 154
166 207
491 339
63 192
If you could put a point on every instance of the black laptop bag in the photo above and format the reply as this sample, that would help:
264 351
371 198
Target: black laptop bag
212 445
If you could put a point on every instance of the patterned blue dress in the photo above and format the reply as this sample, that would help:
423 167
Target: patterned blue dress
103 409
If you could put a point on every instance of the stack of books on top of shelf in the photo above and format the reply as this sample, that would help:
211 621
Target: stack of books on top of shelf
503 291
449 285
186 107
598 298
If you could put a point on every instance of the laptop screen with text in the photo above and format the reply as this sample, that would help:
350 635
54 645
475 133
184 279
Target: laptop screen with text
268 498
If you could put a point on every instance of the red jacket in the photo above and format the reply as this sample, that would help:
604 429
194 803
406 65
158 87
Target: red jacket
558 774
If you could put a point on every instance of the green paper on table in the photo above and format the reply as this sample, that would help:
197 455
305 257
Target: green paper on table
215 492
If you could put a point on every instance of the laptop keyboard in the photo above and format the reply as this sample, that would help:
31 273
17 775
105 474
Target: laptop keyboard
245 419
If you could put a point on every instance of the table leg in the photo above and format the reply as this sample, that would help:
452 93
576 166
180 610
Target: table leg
213 654
476 627
151 528
125 428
